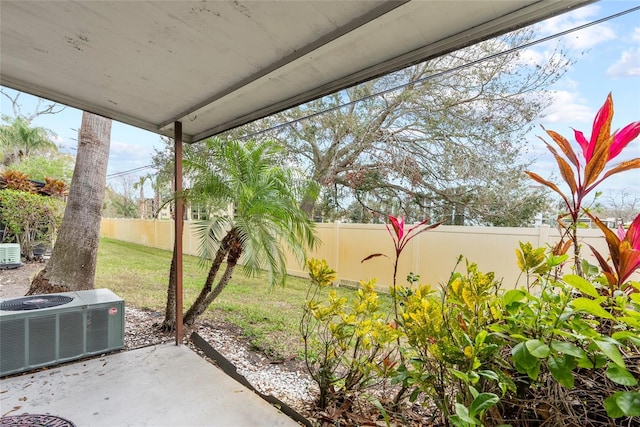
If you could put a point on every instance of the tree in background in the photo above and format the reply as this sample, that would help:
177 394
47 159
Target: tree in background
19 140
73 260
621 205
43 165
30 149
446 141
139 185
122 199
265 219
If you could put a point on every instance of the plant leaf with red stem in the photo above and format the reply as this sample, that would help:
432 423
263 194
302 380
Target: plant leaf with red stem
564 145
373 256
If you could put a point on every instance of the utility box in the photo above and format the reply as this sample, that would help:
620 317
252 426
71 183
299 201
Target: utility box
43 330
9 255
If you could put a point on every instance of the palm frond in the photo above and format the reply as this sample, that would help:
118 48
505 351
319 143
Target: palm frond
268 221
210 234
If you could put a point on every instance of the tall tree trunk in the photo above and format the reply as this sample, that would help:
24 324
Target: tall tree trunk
72 265
199 305
310 197
169 323
307 205
143 205
232 260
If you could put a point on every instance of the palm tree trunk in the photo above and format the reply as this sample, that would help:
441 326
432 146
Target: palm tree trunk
201 305
169 323
143 214
72 264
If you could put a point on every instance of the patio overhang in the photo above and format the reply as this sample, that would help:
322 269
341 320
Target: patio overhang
193 69
217 65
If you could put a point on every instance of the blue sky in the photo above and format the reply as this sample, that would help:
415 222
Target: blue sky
610 63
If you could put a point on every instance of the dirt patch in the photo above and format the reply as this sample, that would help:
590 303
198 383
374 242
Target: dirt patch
14 282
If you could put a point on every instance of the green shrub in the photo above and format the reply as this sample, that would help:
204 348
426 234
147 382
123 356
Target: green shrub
348 347
29 219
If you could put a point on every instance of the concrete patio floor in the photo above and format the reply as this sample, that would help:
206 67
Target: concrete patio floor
162 385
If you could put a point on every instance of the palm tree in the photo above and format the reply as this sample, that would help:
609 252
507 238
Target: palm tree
72 264
19 139
265 218
141 201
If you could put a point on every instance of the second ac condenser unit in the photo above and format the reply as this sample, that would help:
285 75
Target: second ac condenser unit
9 255
42 330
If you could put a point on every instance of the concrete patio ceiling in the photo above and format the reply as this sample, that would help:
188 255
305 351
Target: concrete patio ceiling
217 65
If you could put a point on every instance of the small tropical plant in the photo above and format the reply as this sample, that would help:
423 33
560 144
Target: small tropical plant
624 250
401 238
54 187
264 220
454 358
582 176
566 328
348 346
16 180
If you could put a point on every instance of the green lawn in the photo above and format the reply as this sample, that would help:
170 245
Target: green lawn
268 316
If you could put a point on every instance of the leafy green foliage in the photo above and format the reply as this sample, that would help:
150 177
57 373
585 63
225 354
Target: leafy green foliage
622 404
450 347
348 347
39 167
466 417
19 140
29 218
453 340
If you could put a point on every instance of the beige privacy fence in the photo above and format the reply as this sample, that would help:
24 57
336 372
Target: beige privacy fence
432 254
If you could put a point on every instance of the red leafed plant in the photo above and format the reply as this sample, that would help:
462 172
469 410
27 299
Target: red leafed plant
400 240
583 175
54 187
624 249
16 180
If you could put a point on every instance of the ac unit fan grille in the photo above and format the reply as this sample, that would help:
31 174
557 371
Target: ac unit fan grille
35 302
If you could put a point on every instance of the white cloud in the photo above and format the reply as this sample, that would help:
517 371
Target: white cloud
57 139
569 83
585 38
635 36
567 20
529 57
627 66
124 156
567 107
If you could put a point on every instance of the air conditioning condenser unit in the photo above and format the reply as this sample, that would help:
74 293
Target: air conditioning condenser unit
10 255
43 330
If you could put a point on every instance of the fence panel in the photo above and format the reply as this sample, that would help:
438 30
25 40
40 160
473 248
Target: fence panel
432 254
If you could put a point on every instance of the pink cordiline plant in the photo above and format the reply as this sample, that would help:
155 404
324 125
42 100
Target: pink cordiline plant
400 239
624 250
582 176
